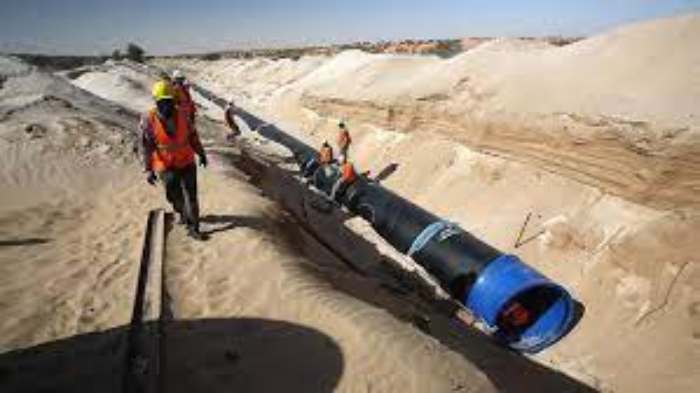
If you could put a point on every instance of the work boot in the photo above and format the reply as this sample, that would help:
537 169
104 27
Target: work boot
195 234
181 219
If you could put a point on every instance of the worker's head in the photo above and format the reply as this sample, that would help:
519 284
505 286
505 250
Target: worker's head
514 316
162 94
164 76
341 125
178 76
325 154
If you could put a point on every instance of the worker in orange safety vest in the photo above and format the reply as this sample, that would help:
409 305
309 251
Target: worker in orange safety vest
170 143
348 175
183 98
344 141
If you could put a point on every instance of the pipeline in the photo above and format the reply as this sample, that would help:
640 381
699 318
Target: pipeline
519 306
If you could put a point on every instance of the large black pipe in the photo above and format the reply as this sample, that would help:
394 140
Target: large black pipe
454 257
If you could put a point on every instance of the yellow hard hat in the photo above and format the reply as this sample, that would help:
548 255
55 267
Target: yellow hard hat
162 90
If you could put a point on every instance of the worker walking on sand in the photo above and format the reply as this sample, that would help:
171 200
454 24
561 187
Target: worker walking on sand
183 98
344 142
170 142
229 118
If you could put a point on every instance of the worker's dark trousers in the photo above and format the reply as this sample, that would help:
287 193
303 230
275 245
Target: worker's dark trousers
181 191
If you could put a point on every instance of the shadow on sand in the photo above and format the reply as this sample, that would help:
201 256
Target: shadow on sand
227 222
23 242
209 355
386 172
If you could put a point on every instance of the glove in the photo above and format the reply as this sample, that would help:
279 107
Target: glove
203 161
151 179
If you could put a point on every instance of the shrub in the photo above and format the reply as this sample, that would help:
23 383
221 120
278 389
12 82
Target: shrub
134 53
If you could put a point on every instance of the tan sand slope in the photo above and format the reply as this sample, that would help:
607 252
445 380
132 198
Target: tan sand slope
68 221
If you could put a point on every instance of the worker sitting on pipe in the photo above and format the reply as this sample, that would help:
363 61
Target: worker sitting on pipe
326 174
325 154
348 175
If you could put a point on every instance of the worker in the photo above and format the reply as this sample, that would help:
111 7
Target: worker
170 143
344 142
325 174
348 175
165 77
513 319
183 98
229 117
325 154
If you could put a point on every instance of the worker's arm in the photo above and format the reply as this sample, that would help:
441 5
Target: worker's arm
196 143
148 145
188 96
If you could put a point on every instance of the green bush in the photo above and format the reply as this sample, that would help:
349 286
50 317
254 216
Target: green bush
134 53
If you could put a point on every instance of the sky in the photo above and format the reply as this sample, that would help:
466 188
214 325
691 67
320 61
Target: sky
94 27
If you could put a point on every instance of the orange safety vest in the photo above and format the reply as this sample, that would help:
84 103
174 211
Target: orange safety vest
344 139
171 152
325 156
347 173
184 99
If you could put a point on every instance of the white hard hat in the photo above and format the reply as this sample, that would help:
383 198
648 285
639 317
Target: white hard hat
177 74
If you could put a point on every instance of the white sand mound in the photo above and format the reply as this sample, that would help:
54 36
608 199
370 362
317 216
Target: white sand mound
10 66
119 84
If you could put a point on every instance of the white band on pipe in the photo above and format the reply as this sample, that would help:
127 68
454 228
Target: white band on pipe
444 228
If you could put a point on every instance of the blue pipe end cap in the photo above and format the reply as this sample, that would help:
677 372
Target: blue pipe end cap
506 279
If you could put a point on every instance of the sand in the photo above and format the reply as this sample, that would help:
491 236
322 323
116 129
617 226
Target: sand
284 296
597 141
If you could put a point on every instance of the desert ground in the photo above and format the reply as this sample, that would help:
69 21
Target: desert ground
598 142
